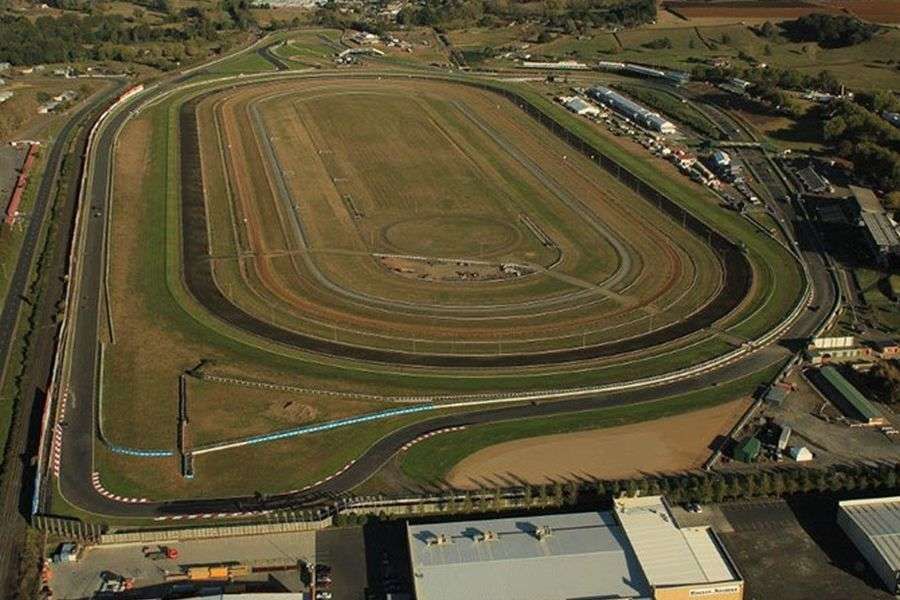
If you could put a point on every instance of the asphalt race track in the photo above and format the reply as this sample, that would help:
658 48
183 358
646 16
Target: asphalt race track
79 435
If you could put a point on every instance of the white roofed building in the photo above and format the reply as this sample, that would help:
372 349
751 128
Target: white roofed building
634 552
580 106
873 525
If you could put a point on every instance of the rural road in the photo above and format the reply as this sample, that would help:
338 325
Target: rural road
79 434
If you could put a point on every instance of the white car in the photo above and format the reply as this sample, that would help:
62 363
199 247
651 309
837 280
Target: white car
323 595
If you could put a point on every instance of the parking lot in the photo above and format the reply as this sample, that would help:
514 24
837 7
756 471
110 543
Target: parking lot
344 551
792 550
273 559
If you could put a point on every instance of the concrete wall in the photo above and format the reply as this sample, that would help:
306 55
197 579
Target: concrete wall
171 535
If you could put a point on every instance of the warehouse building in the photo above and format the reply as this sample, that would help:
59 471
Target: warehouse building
631 109
882 237
864 201
580 106
635 551
848 399
873 525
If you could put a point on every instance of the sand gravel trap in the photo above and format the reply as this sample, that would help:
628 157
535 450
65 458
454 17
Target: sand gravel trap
665 445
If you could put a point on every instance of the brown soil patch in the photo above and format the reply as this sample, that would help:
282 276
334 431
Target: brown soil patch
445 270
661 446
295 412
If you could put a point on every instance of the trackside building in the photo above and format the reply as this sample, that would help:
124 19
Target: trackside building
873 526
635 551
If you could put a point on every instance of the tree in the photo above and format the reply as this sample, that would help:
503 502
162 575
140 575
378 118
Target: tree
768 30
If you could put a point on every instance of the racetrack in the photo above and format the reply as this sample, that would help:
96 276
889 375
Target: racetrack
77 466
202 281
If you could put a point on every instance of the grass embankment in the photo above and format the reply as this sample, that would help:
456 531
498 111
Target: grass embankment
245 62
430 461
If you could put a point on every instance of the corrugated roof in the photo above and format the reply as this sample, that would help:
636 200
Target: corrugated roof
866 199
879 520
578 105
670 555
850 393
881 229
585 555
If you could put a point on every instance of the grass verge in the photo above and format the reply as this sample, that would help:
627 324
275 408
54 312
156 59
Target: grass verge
431 460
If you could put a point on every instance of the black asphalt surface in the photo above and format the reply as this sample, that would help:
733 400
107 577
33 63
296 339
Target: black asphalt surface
24 432
265 52
79 435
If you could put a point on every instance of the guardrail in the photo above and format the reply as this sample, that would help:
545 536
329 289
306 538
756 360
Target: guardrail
62 337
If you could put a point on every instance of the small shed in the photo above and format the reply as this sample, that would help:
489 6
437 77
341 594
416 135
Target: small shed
775 395
784 437
800 453
748 450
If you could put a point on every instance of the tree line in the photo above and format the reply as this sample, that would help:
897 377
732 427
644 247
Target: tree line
779 482
563 14
829 31
73 37
867 140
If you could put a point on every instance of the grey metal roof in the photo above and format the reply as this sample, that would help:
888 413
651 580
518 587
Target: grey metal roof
881 230
866 199
879 520
586 555
578 105
670 555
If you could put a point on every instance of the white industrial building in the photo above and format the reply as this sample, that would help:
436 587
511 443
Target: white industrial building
563 65
635 551
873 526
632 109
580 106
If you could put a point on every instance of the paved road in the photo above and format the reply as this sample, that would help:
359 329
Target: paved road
15 493
79 434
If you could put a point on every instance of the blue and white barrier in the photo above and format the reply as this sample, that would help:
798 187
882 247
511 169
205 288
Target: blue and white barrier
298 431
141 453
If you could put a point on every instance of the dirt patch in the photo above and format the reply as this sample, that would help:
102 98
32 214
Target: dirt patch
447 270
660 446
295 412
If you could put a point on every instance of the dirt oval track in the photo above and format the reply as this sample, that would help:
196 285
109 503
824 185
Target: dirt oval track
198 270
